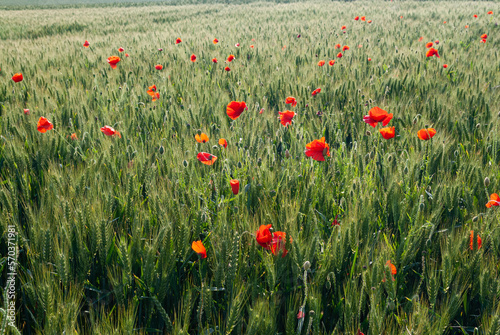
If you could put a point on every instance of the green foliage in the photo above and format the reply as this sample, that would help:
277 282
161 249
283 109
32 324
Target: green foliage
105 224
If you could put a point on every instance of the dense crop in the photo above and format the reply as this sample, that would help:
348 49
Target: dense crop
381 237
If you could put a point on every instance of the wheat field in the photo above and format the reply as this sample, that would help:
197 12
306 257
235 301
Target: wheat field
377 236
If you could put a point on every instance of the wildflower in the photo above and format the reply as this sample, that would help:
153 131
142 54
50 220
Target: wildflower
316 91
331 62
471 243
388 132
278 243
426 134
318 149
120 49
214 60
108 131
235 186
17 77
321 63
158 67
264 236
377 114
223 142
86 44
291 101
178 40
113 60
286 117
432 52
230 58
494 200
206 158
193 58
215 41
235 108
203 138
199 248
44 125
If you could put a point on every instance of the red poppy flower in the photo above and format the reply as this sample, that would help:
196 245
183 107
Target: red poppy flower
436 42
363 18
230 58
339 55
377 114
108 131
227 68
432 52
331 62
235 108
44 125
444 22
113 60
156 96
321 63
151 90
223 142
235 186
286 117
426 134
301 315
369 59
388 132
338 46
429 45
215 41
494 200
466 26
203 138
445 66
392 267
335 221
17 77
483 40
158 67
264 236
237 45
127 55
206 158
120 49
26 112
178 40
261 111
86 44
490 12
291 101
343 28
345 48
318 150
356 18
471 243
421 38
278 243
475 15
193 58
74 137
214 60
316 91
369 21
484 36
199 248
401 17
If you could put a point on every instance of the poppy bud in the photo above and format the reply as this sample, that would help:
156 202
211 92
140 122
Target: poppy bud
235 186
325 151
188 125
307 265
215 147
239 165
389 158
422 205
185 163
475 218
486 181
405 170
311 313
259 162
199 132
162 150
287 154
368 133
478 125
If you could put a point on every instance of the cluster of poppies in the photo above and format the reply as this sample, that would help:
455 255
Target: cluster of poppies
273 241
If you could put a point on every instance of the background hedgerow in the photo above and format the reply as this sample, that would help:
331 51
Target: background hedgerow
105 224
